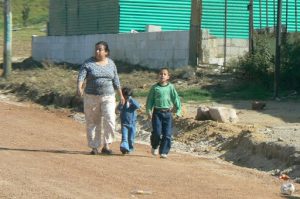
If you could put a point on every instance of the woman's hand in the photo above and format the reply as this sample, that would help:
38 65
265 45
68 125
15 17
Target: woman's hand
80 92
122 100
80 89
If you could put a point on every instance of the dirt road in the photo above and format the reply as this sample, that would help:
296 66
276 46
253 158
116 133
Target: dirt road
44 155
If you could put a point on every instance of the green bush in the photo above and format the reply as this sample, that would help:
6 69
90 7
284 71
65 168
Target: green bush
290 67
258 66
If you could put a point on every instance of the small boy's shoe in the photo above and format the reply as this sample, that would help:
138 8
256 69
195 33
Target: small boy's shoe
94 151
124 151
154 151
106 151
163 155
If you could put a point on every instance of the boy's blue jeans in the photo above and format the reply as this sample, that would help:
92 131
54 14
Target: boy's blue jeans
128 137
162 131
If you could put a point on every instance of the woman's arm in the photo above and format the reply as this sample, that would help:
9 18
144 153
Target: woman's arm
80 88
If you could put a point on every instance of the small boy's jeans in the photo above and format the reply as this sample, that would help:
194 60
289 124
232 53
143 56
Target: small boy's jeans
162 131
128 136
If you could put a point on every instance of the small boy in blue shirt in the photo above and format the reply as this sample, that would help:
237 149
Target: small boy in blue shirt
128 120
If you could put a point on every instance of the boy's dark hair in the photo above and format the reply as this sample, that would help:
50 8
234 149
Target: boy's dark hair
126 91
161 69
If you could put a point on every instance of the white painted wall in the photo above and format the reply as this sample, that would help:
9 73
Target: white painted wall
149 49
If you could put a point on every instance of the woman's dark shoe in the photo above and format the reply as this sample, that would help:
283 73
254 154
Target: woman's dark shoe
106 151
94 151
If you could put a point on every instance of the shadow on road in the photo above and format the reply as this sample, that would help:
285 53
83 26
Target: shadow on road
45 150
291 197
67 152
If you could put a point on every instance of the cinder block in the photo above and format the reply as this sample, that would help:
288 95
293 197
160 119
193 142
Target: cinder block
153 28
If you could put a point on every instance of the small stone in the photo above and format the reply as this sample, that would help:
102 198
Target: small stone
280 139
256 105
297 180
276 172
143 86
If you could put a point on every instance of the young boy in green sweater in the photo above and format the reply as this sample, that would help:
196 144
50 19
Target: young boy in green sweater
160 102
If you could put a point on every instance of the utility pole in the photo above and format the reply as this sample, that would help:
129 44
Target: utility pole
200 50
225 34
194 33
251 43
7 38
296 16
278 49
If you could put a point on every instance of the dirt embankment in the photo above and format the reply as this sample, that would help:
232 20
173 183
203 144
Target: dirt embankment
260 140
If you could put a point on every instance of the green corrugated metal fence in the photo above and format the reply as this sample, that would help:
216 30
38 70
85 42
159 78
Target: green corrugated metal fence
265 12
57 18
76 17
289 7
169 14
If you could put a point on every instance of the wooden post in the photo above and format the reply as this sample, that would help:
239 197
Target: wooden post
296 16
260 16
267 15
278 49
251 45
200 50
225 34
194 33
286 15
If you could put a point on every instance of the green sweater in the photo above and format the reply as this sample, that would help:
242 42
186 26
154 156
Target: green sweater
163 97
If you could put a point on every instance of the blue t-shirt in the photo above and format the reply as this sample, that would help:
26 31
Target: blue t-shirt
128 111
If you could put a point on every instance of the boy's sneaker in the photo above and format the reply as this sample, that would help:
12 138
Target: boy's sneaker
154 151
163 155
124 151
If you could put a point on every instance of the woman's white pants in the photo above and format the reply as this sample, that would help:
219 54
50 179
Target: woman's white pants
99 112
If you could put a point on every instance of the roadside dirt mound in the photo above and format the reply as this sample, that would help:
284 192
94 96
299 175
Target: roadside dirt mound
241 144
216 135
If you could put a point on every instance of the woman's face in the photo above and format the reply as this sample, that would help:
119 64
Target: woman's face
100 52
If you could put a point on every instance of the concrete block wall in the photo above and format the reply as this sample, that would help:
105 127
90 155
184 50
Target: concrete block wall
149 49
152 49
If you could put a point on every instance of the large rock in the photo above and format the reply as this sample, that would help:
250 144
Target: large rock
223 114
203 113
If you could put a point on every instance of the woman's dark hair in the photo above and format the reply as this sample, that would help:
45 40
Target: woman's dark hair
126 91
105 45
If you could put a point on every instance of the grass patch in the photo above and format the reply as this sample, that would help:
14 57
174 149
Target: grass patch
44 80
25 34
194 94
244 92
34 81
38 14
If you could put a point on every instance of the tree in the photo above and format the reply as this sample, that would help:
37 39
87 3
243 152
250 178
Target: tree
25 13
